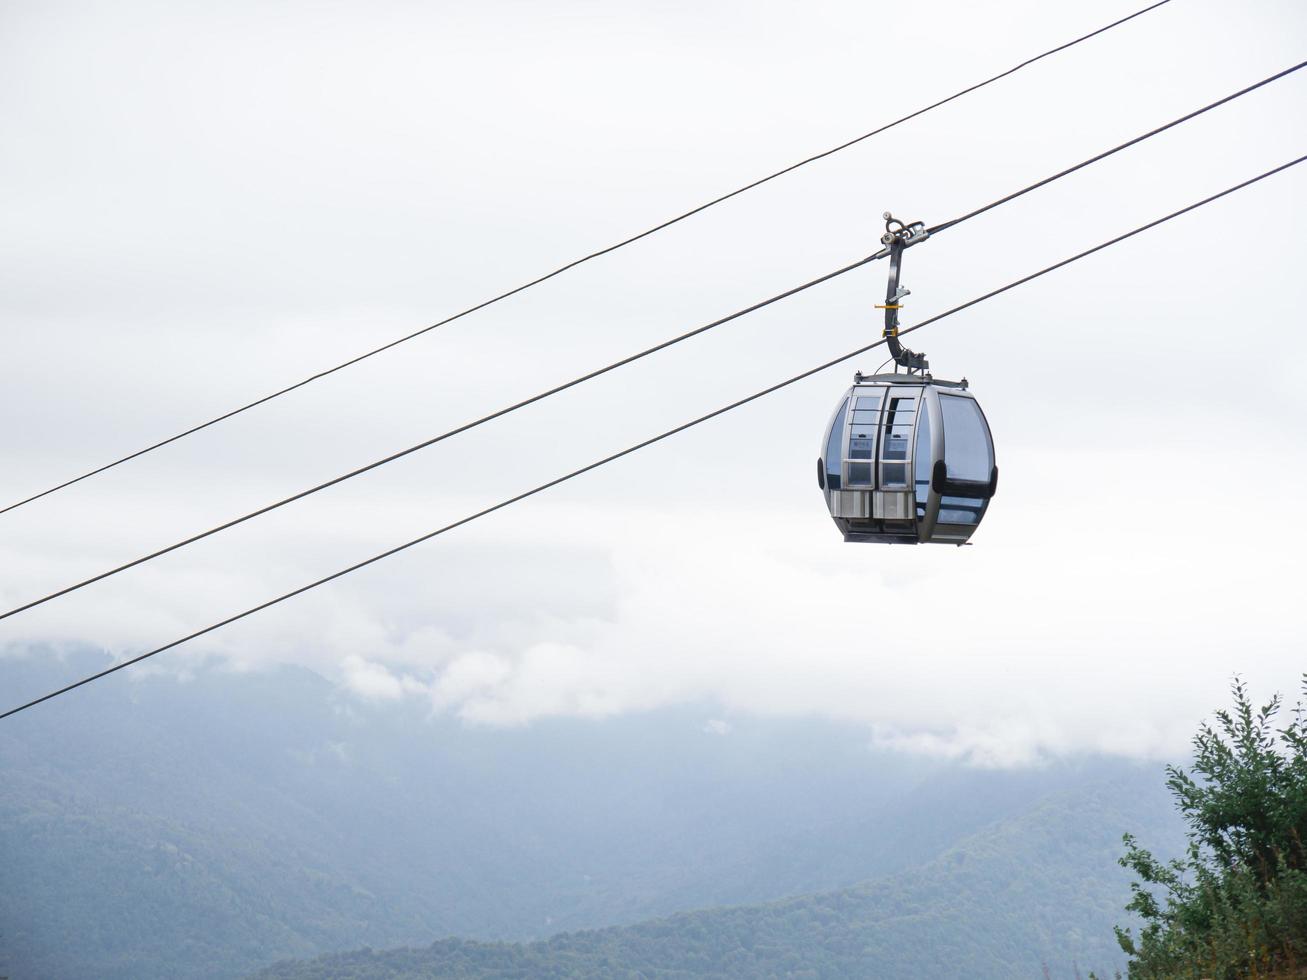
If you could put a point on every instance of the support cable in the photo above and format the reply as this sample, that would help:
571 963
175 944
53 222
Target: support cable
642 445
1117 149
573 264
614 365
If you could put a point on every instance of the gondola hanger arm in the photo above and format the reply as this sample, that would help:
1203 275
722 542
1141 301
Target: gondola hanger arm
899 236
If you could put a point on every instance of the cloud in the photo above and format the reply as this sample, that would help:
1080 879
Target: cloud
1032 643
545 680
374 682
471 676
1142 547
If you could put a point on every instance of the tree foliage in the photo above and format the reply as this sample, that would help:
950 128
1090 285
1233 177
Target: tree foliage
1236 905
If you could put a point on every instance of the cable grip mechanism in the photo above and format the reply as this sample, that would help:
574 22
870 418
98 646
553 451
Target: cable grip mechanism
899 236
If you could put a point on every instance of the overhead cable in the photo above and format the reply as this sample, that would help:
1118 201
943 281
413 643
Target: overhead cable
612 366
1117 149
642 445
573 264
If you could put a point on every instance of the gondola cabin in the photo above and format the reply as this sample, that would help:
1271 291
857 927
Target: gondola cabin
907 459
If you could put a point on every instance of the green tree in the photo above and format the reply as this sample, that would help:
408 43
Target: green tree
1236 905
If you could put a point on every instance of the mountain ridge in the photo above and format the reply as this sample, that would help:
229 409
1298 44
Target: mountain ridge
963 914
175 843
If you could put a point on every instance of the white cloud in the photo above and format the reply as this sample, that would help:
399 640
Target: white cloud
1143 546
374 682
472 675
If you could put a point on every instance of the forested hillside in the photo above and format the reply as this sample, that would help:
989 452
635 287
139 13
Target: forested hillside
212 827
1008 902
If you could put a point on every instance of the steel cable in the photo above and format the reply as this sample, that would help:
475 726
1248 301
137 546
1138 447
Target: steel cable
614 365
572 265
642 445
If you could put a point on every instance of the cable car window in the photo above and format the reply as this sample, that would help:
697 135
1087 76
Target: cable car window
862 445
900 413
866 413
833 443
960 510
896 441
898 406
862 440
968 453
860 473
922 461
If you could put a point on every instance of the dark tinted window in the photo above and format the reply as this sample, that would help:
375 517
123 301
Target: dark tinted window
894 474
859 474
960 510
897 438
834 444
968 453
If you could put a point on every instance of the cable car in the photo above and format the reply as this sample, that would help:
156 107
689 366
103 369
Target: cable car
906 458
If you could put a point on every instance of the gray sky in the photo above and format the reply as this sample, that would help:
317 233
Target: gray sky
206 202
